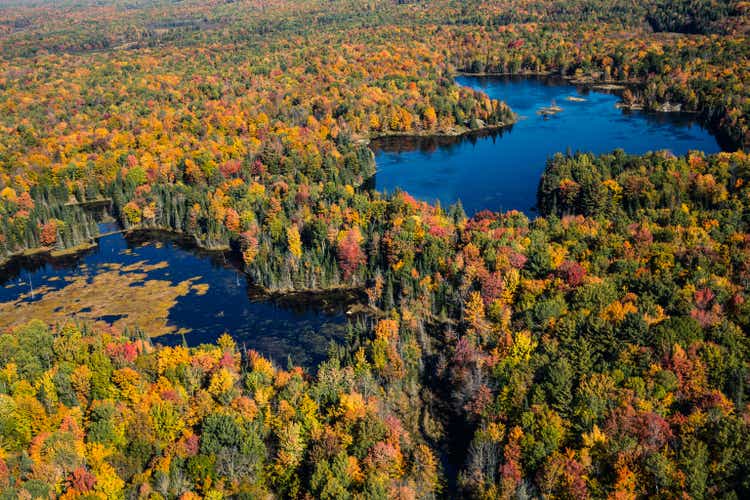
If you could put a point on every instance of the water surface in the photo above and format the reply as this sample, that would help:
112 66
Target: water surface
210 296
161 285
501 171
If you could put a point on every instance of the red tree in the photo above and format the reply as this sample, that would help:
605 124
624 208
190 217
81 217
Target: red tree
232 220
349 253
230 168
510 471
82 480
48 234
572 272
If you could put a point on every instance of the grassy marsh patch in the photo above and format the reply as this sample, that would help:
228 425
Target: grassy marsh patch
123 296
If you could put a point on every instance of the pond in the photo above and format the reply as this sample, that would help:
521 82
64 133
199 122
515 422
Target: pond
177 293
167 288
500 171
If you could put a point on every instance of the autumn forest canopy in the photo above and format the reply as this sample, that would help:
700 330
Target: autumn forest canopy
596 348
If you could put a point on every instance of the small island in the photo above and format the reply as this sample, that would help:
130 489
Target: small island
550 110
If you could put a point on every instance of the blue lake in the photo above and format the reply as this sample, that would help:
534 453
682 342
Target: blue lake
500 171
496 171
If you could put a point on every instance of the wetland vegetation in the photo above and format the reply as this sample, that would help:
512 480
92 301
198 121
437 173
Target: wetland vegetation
595 348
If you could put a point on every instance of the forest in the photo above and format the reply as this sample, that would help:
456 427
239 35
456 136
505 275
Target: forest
597 349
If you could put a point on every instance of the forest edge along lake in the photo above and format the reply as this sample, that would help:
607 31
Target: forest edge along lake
499 170
163 284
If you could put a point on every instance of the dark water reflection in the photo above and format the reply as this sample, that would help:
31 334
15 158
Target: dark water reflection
496 170
500 170
300 328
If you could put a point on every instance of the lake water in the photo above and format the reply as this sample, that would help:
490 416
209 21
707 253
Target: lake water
501 171
104 285
168 288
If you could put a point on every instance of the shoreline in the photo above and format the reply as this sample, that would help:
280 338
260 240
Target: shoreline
154 234
440 135
50 253
723 136
458 132
490 73
572 79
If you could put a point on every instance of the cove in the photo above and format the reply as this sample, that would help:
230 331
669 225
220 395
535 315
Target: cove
164 285
500 170
161 283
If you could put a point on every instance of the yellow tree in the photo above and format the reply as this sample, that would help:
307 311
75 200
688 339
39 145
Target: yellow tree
294 241
474 311
430 118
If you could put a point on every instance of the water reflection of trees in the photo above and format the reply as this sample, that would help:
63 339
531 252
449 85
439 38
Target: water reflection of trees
430 144
330 302
22 265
